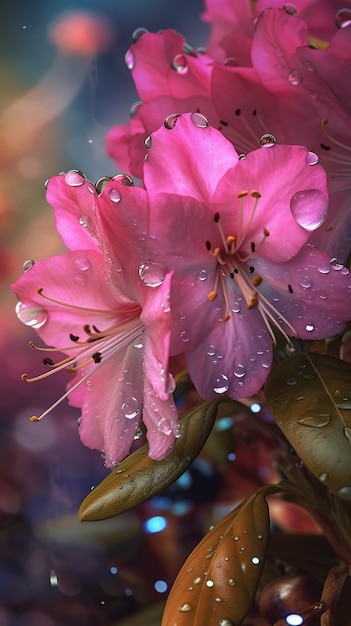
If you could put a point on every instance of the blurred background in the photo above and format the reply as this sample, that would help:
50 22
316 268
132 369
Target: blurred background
64 83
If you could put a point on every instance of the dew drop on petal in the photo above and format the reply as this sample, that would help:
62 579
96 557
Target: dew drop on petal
221 384
335 264
309 328
295 78
239 371
134 108
152 273
184 336
114 195
27 265
138 32
202 275
344 271
164 427
231 62
323 268
30 314
130 409
74 178
267 140
171 121
83 220
343 18
323 477
290 9
211 350
199 120
129 59
311 158
179 63
306 282
309 66
82 263
309 208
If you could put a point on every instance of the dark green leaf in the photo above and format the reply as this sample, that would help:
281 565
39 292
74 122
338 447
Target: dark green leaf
138 478
309 397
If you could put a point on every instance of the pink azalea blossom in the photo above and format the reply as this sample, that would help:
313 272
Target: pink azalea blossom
235 233
115 333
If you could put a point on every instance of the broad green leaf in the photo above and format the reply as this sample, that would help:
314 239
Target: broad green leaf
138 478
309 397
218 581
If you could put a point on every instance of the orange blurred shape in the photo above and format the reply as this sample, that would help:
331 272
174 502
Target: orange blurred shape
81 33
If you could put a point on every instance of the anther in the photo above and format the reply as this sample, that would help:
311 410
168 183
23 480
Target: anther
74 338
208 245
266 232
230 240
216 217
223 123
238 112
97 356
253 246
257 281
290 289
34 418
255 194
212 295
243 194
86 328
251 269
252 302
324 146
48 361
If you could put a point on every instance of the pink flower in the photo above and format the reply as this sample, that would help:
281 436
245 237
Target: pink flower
235 233
115 334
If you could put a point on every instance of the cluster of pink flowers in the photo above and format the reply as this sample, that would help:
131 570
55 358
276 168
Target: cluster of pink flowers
237 227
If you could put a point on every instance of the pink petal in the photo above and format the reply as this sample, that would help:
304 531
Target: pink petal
172 168
160 66
296 207
161 420
74 220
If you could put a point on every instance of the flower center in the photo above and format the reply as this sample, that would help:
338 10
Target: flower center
92 349
234 264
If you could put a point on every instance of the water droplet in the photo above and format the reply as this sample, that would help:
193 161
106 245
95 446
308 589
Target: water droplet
290 9
114 195
347 433
231 62
83 220
209 583
134 108
130 409
147 142
239 371
344 493
336 265
185 608
295 78
306 282
138 434
323 268
309 208
124 179
27 265
171 121
179 63
164 427
267 140
129 59
74 178
311 158
199 120
323 477
211 350
184 336
344 271
236 307
309 327
138 32
152 273
242 157
225 622
231 582
255 560
202 275
315 421
309 66
82 263
343 18
221 384
197 580
291 381
30 314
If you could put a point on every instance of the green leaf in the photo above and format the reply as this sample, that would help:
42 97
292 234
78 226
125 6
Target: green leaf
218 581
138 478
309 397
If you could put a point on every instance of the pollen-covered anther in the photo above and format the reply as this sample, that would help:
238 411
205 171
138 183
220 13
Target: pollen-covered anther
253 301
257 281
243 194
266 232
34 418
230 240
255 194
212 295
